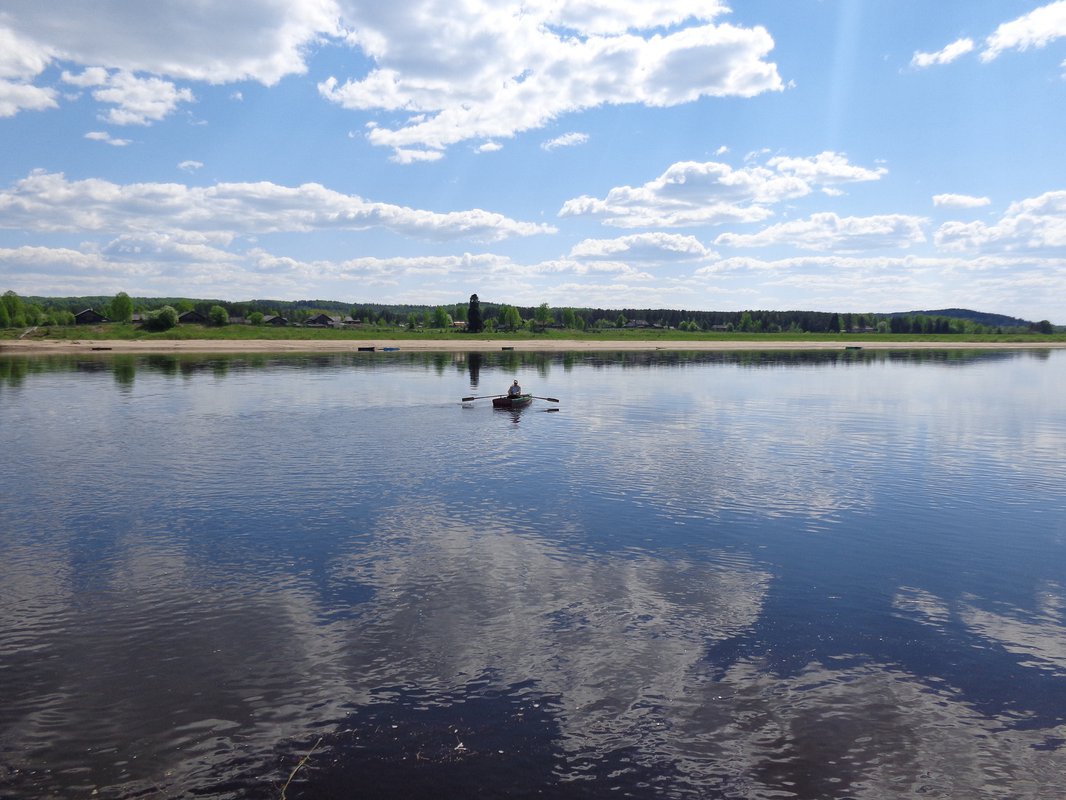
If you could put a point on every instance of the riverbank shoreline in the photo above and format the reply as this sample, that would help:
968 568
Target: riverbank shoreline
178 346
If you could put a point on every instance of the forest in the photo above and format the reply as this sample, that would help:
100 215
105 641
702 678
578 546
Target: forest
21 312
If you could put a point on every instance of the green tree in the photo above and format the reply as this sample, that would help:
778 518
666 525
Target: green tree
474 323
256 318
510 319
217 315
441 318
621 321
15 314
5 318
569 318
162 319
121 308
543 315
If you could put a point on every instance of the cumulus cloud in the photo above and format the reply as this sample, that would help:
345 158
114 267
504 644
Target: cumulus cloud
138 101
261 40
959 201
129 50
1035 29
945 56
489 69
571 139
49 202
1034 224
825 169
483 69
190 166
107 138
16 96
826 231
644 247
711 193
20 62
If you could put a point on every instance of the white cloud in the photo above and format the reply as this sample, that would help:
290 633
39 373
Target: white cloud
959 201
107 138
827 231
20 62
490 147
404 155
46 202
669 247
1035 29
190 166
711 193
261 40
571 139
491 69
21 57
16 96
945 56
1036 224
139 101
825 169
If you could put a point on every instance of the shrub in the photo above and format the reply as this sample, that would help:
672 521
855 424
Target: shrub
163 319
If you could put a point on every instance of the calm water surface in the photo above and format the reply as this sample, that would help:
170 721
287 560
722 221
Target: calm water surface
835 575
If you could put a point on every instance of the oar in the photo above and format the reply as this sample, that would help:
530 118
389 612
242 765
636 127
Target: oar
481 397
549 399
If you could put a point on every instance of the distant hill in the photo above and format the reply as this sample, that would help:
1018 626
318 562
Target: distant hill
977 317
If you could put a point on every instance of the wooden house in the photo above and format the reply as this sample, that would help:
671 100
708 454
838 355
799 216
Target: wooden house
89 317
324 321
191 318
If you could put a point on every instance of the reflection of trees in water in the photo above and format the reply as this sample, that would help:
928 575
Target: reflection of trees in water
473 364
125 366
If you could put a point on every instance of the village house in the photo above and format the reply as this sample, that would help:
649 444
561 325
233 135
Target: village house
324 321
89 317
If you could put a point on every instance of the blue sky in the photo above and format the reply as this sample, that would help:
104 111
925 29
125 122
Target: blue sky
857 155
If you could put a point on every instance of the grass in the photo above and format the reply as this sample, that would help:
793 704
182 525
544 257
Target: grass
268 333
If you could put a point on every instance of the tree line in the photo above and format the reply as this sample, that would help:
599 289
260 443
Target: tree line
475 315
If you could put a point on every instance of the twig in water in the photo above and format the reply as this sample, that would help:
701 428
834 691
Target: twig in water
296 769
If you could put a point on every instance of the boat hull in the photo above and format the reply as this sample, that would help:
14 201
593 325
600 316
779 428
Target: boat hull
521 401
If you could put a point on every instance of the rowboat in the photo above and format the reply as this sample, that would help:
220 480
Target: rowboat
519 401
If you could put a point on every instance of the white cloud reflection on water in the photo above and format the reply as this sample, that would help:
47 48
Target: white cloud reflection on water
1037 635
211 657
210 666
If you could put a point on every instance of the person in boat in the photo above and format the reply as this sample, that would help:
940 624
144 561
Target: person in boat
515 390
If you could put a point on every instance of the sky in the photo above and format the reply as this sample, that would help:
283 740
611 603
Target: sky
826 155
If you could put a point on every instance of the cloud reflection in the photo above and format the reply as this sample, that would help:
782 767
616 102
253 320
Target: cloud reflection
612 636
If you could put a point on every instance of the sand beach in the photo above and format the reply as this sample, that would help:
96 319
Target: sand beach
48 346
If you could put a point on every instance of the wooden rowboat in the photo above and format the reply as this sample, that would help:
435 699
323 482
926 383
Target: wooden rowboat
520 401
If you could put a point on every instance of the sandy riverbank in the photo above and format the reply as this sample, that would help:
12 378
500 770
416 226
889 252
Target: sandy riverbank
46 347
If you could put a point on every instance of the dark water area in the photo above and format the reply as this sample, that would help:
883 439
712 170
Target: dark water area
748 575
